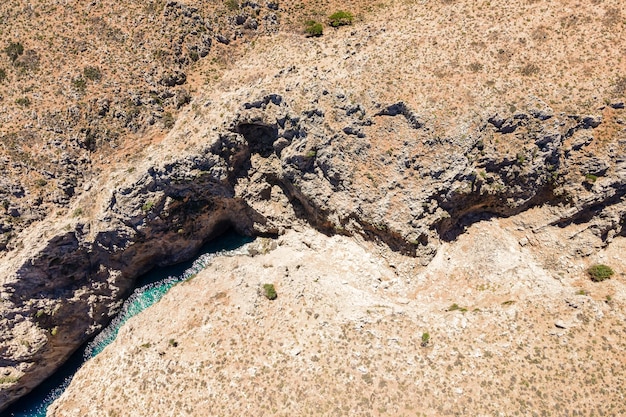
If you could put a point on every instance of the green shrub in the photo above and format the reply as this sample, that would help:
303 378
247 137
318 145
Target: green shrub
456 307
168 120
92 73
340 18
232 5
14 50
79 83
3 75
269 291
529 70
23 101
8 379
425 339
591 178
600 272
313 28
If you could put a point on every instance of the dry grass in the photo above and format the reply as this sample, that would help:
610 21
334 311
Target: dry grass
342 339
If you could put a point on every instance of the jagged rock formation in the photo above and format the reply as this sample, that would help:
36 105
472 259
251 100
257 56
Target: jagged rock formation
273 144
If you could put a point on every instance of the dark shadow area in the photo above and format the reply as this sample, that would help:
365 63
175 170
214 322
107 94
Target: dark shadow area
465 210
260 137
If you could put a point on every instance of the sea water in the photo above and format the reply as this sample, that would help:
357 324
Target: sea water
150 288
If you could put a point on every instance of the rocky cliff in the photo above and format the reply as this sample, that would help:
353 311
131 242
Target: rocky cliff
379 131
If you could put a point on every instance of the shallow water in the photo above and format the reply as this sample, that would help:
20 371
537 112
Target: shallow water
150 288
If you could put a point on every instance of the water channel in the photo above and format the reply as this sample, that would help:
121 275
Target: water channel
149 289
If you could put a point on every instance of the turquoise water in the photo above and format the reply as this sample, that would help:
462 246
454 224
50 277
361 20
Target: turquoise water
151 288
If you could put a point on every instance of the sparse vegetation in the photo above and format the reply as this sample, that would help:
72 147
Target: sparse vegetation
23 101
456 307
529 70
425 339
600 272
79 84
313 28
8 380
147 206
269 291
590 178
3 75
168 120
476 67
92 73
232 5
340 18
14 50
619 85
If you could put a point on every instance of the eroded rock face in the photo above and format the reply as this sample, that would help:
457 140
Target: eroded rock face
411 198
292 146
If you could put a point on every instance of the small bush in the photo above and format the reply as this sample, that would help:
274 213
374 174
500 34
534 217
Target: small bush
456 307
529 70
8 380
476 67
80 84
340 18
23 101
14 50
232 5
619 85
269 291
600 272
168 120
425 339
92 73
313 28
3 75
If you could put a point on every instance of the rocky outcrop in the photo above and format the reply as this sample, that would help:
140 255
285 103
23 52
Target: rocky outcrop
75 283
103 107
